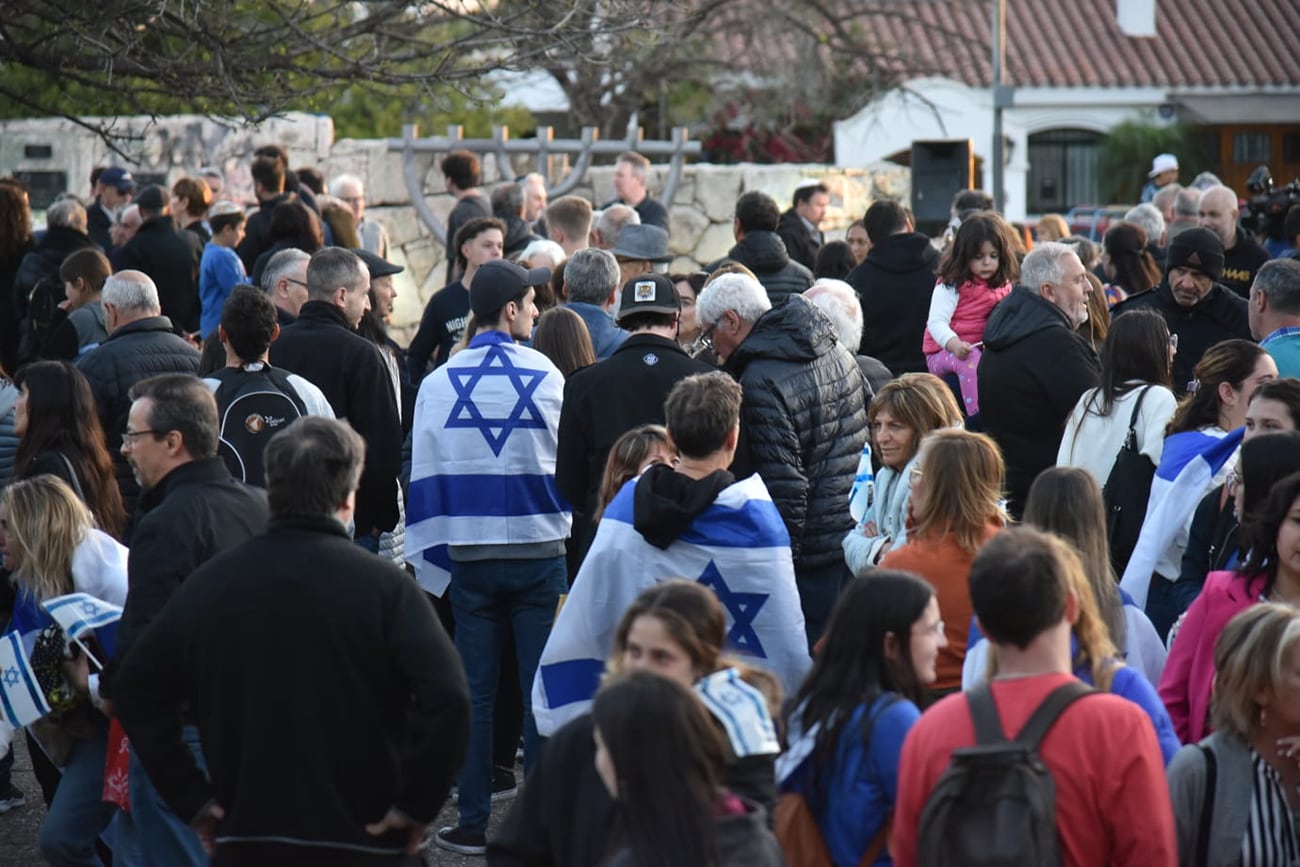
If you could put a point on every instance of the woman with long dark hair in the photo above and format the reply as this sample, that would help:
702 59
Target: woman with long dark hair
1205 428
1136 364
1128 264
661 757
60 435
1270 512
858 702
562 336
16 241
677 629
293 225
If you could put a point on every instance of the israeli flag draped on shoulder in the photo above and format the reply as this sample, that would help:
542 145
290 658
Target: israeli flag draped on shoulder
483 455
1189 464
738 547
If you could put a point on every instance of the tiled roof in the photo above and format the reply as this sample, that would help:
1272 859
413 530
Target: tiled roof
1078 43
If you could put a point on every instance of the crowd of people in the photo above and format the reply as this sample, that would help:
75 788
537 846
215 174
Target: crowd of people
980 549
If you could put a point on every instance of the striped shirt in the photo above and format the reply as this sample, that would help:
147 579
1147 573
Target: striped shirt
1270 839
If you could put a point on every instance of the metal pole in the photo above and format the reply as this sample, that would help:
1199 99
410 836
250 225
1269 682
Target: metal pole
999 61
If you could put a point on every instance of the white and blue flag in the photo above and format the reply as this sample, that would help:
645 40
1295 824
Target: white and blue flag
483 456
80 614
738 547
21 698
1190 465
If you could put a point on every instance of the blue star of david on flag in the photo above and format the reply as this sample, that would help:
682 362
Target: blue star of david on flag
12 677
89 608
465 413
743 608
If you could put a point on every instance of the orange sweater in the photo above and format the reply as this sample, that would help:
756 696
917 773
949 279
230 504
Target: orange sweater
947 567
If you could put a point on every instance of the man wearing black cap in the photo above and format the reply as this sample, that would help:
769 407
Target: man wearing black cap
113 189
163 252
1199 309
485 517
606 400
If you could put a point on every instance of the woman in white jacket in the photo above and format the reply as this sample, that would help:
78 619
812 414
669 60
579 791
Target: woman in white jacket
1136 364
901 413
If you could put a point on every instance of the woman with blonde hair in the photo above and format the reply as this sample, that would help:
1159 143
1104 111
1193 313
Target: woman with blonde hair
1234 792
956 507
900 415
52 549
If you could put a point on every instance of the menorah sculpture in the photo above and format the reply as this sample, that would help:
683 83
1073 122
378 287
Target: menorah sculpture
546 147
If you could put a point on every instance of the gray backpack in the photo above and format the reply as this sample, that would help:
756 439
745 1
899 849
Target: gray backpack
995 805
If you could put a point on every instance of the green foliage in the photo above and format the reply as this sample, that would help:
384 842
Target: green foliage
358 113
1126 153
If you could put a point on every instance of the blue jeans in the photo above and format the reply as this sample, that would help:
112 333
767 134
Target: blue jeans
151 833
78 815
489 599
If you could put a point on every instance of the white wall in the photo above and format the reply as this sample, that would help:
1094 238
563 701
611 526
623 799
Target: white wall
936 108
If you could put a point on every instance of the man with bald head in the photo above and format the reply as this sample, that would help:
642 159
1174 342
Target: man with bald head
1242 254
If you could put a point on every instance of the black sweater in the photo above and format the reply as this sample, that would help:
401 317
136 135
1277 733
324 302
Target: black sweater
324 689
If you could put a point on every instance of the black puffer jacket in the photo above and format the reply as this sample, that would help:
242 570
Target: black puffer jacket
1031 375
141 349
1220 315
764 253
895 283
803 424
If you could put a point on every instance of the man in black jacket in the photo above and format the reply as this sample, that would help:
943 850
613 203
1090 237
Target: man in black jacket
800 227
323 346
268 185
168 256
37 287
895 283
141 343
1035 366
803 423
243 644
1199 309
190 509
606 400
760 249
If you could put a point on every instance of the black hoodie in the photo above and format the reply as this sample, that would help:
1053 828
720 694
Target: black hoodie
665 502
895 283
764 253
1032 373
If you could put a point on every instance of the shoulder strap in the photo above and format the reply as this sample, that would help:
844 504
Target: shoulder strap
1047 713
1137 408
1207 808
984 713
72 475
281 380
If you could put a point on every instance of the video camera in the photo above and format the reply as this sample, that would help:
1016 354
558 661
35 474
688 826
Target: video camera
1267 206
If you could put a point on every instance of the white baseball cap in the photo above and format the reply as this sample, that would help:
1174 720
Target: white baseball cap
1163 163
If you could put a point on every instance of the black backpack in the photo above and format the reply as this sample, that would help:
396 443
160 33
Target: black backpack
44 300
996 802
254 405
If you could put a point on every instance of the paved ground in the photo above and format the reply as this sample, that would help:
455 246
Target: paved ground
18 828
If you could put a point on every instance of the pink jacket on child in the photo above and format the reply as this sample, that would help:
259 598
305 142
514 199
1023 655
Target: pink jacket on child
1189 671
973 303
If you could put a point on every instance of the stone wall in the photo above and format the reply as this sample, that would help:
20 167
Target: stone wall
169 148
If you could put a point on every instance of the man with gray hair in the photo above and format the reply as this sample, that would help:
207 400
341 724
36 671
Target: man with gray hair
323 347
1274 309
1242 254
284 280
803 423
1186 209
1148 216
1164 200
366 781
590 284
351 191
610 223
1035 364
842 307
141 343
37 287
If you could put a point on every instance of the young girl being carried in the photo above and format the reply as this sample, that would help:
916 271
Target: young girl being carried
977 273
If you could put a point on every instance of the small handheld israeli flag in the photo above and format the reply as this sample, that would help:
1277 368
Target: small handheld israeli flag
21 698
80 614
